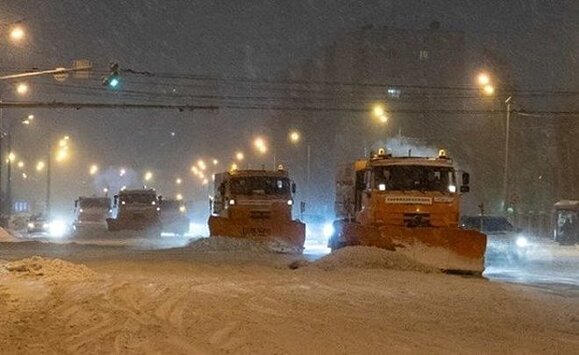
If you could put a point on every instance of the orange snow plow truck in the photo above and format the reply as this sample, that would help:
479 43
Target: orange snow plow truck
256 205
409 205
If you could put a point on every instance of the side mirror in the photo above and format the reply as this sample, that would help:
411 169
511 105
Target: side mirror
464 189
294 189
465 178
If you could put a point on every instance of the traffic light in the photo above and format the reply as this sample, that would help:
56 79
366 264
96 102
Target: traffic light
113 80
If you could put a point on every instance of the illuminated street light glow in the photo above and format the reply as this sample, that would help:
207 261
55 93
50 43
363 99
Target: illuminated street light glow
148 176
239 156
61 155
383 119
17 33
233 166
40 166
93 169
11 157
260 145
194 170
179 197
122 172
21 164
489 90
215 161
30 117
294 136
378 110
22 89
105 190
178 181
24 176
201 164
483 79
205 181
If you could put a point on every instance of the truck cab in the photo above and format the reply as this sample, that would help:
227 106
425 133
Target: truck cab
91 212
135 210
256 204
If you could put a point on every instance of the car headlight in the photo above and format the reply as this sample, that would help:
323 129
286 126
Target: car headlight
522 242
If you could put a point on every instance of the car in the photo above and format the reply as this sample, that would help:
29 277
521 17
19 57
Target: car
37 224
505 243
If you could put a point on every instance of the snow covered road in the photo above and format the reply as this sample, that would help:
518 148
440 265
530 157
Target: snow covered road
211 299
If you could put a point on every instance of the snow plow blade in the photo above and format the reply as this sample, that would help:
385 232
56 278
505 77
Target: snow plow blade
451 250
287 237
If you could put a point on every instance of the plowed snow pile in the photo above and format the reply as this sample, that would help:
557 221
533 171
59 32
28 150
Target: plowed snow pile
5 236
47 269
370 258
225 244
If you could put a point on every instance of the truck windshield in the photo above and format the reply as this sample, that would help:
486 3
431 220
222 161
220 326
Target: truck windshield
567 222
260 185
138 198
414 177
103 203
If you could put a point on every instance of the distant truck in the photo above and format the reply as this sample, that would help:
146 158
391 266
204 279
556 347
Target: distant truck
136 210
91 213
174 218
257 205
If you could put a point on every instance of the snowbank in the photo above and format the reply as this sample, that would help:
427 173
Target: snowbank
369 258
5 236
48 269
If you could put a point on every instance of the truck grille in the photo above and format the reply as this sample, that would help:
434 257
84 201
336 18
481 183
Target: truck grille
417 219
260 214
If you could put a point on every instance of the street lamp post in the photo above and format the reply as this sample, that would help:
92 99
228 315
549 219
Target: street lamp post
506 164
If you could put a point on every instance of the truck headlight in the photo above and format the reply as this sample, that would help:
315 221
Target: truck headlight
328 230
522 242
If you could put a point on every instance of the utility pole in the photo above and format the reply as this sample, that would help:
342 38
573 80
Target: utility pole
48 177
506 161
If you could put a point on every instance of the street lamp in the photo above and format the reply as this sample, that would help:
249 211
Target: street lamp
380 113
488 90
260 145
93 169
239 156
60 156
178 181
484 80
148 176
294 136
22 88
17 33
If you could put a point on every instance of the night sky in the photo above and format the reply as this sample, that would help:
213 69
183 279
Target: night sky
221 39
